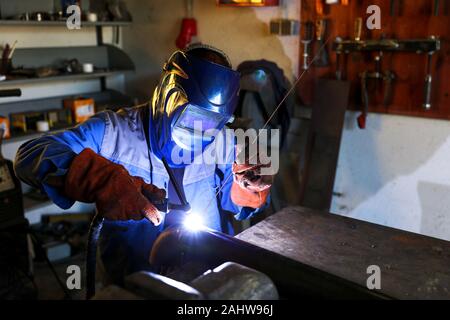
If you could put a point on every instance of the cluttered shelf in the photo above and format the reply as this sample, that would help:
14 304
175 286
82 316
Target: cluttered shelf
392 70
63 77
54 109
33 65
4 22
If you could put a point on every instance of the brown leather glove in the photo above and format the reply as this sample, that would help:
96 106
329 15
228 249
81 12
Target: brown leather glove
250 188
117 195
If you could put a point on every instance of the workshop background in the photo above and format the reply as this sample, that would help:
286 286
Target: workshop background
395 172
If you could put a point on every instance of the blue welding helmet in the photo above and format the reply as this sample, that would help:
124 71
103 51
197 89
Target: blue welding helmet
195 98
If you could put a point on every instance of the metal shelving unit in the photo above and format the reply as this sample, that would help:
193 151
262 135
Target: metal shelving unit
63 77
111 98
109 61
4 22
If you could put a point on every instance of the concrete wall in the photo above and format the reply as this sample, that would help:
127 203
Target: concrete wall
243 33
396 173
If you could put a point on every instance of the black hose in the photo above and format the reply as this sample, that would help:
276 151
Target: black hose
10 93
91 254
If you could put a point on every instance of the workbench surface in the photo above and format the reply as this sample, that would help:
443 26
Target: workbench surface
412 266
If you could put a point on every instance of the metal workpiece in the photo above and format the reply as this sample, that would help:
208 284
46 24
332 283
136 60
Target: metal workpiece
113 292
321 59
293 279
229 281
232 281
155 286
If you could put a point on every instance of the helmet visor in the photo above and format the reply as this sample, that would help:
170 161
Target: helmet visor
195 127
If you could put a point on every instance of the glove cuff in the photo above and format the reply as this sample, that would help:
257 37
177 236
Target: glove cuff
247 198
87 174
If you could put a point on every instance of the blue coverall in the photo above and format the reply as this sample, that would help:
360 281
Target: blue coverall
119 136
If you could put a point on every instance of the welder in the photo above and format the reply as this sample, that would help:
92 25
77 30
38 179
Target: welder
120 160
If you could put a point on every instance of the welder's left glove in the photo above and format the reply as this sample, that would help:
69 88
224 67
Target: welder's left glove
251 185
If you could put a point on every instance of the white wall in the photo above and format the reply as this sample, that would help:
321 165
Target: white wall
52 37
30 37
243 33
396 173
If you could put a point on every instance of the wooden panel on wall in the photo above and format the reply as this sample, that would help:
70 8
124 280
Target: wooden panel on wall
411 20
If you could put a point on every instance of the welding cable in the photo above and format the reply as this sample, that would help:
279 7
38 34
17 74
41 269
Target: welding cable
91 254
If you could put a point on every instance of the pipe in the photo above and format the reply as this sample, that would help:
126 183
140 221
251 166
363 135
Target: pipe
176 246
91 254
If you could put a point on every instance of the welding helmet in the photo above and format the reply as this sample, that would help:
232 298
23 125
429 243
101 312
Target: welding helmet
194 97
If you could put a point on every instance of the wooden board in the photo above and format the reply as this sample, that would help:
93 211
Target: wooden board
412 266
323 144
414 19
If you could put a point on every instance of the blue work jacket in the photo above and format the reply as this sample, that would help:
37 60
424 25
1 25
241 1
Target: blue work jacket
120 137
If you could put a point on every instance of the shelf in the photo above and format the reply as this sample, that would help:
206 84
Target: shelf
104 57
63 23
111 98
66 77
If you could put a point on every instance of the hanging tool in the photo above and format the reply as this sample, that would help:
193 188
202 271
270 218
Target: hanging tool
387 77
358 28
320 10
428 88
439 6
283 26
321 28
436 8
339 63
306 41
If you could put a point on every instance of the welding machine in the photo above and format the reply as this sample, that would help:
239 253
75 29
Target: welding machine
14 258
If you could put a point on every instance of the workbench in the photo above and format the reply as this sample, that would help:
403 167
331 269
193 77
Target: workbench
412 266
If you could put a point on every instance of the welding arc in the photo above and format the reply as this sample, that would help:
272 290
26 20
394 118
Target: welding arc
294 85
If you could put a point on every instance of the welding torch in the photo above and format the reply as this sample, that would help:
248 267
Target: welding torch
192 222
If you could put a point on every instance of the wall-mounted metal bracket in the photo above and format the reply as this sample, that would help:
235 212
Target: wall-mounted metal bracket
409 45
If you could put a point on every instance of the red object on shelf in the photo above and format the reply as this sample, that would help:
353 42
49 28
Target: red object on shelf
362 121
188 30
249 3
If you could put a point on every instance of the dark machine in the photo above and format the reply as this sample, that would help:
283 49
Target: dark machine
14 263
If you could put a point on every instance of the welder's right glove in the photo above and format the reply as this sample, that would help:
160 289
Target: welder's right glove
250 186
117 194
